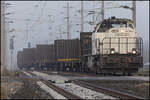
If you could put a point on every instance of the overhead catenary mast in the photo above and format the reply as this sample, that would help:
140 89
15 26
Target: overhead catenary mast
68 25
27 33
2 36
82 18
134 12
102 9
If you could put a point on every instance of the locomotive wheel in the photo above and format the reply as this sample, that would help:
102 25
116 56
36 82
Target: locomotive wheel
124 74
114 73
129 74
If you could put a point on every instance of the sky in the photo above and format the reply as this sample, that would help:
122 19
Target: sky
47 20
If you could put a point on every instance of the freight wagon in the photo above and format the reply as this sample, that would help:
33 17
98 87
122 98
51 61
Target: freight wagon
45 57
28 58
67 54
19 59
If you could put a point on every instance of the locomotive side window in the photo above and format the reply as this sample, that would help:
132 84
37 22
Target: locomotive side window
131 26
104 27
124 25
115 25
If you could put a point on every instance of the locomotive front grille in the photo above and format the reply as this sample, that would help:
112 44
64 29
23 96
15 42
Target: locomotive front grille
123 60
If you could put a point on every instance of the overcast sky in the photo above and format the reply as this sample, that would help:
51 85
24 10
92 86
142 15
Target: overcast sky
47 19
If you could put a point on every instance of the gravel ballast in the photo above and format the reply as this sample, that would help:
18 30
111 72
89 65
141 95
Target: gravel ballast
138 88
83 92
52 92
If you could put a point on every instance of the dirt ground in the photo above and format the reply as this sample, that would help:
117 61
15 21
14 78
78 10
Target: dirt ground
29 91
9 86
20 87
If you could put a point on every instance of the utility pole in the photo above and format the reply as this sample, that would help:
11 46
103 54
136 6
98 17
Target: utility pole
68 20
27 32
134 12
11 49
29 45
82 18
133 9
68 25
2 62
60 32
102 10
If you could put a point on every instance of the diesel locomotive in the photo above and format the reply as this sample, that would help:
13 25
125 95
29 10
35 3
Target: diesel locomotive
115 47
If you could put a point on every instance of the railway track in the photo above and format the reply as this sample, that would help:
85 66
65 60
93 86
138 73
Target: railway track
92 86
107 91
59 90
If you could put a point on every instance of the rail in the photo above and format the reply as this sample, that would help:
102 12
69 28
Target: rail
59 90
107 91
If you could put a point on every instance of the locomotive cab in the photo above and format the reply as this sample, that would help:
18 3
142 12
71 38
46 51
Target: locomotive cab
116 47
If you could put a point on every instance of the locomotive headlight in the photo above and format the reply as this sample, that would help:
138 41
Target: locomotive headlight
134 51
112 51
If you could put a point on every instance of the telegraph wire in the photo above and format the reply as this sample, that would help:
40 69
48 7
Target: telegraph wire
40 15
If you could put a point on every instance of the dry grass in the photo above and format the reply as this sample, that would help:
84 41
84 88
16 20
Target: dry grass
143 85
142 73
3 93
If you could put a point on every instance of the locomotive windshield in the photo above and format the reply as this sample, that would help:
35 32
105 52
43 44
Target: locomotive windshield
106 25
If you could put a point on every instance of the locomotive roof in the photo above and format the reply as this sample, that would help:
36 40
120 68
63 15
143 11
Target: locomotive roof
118 19
113 19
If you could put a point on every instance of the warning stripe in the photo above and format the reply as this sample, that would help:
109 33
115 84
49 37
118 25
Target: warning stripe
68 59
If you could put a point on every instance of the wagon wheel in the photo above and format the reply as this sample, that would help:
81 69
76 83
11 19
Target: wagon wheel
86 67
